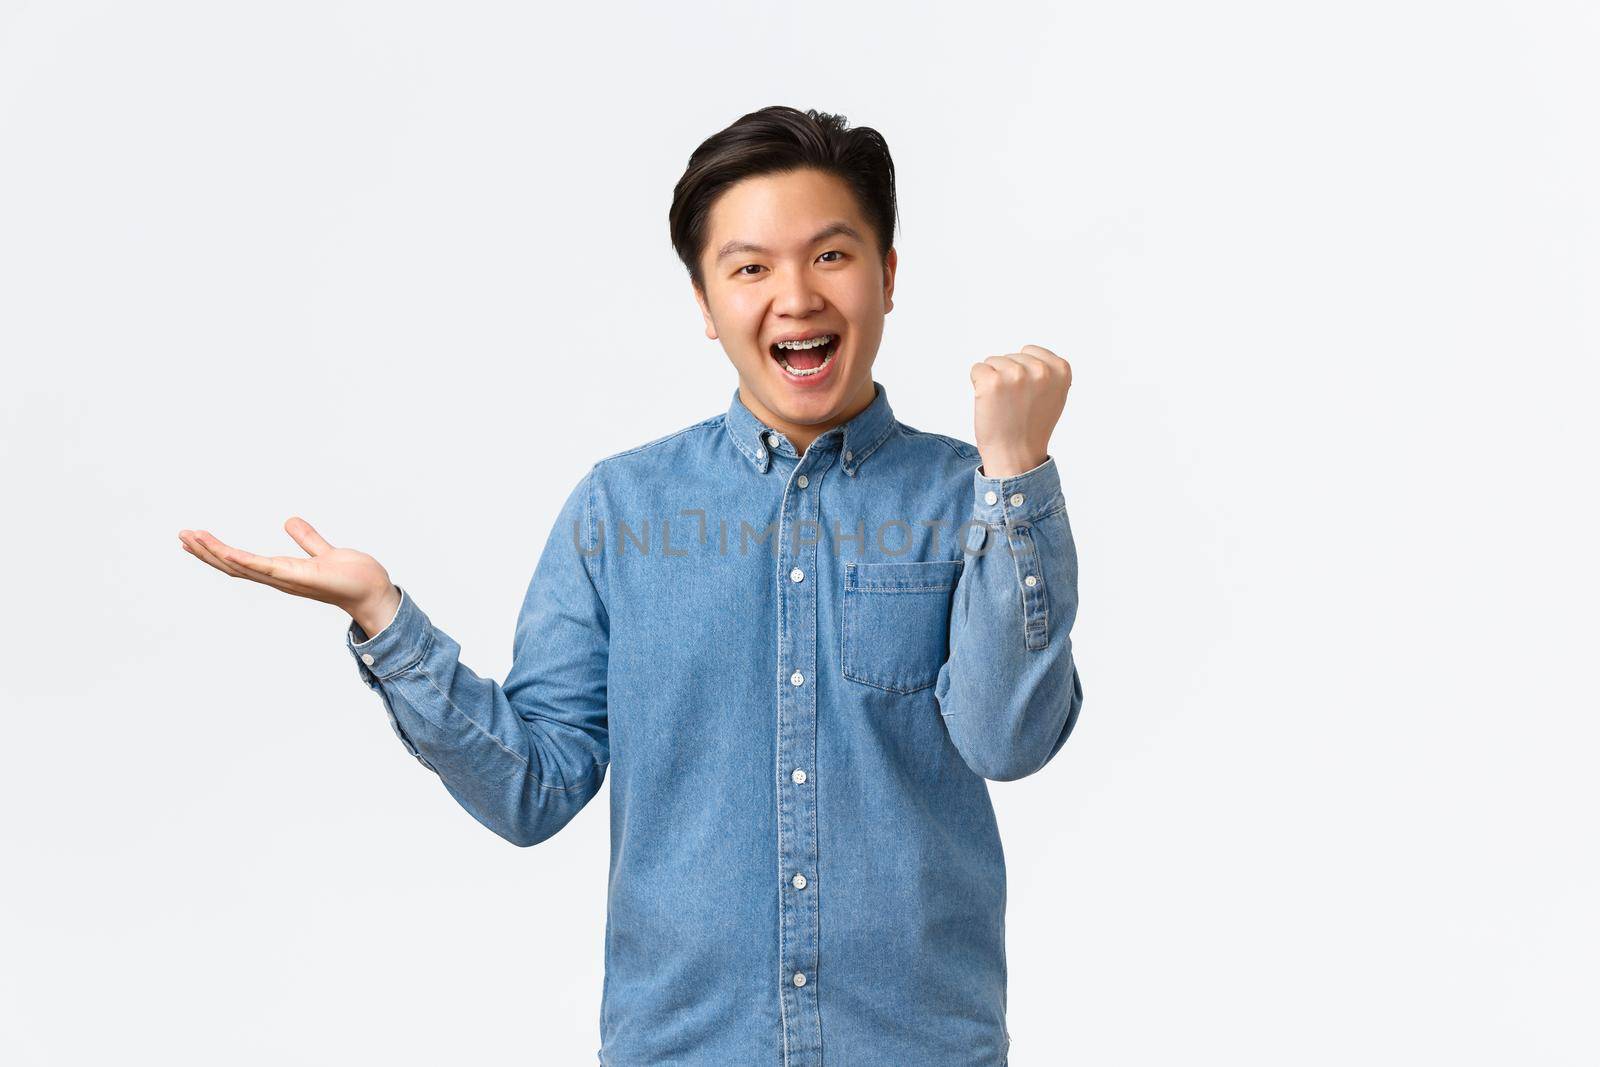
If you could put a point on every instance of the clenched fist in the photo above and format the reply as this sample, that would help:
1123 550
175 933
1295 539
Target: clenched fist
1018 400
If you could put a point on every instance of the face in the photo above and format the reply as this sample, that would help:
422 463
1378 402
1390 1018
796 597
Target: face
791 256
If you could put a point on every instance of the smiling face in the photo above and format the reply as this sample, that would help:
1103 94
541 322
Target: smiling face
791 256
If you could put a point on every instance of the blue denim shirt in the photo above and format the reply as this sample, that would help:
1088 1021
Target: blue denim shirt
801 670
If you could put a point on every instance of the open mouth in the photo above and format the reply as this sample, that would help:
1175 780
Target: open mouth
807 361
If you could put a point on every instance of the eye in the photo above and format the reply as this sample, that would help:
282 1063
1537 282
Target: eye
741 272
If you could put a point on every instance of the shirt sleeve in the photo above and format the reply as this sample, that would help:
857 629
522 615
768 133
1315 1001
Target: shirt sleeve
524 757
1009 691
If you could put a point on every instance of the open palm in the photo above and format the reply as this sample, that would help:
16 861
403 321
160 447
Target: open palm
341 576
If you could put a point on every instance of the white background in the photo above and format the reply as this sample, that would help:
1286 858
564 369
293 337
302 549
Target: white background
1326 274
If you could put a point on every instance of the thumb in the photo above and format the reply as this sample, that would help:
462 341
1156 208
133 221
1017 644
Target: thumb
306 537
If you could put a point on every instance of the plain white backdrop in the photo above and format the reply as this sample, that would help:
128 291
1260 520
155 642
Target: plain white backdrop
1327 276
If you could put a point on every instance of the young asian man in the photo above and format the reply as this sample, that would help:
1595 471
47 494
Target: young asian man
800 634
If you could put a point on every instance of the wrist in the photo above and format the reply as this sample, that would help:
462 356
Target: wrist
374 614
1009 466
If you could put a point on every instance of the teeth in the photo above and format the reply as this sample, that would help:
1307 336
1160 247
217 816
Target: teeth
799 346
806 373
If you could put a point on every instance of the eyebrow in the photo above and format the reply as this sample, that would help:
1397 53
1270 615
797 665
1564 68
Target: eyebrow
833 229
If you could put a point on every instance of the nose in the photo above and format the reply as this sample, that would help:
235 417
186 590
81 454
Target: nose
797 295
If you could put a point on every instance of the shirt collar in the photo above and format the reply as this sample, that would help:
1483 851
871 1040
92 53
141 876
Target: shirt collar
860 437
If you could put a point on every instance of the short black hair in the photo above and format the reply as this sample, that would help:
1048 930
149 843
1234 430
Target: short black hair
778 140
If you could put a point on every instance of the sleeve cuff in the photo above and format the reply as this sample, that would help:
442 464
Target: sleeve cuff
396 647
1021 499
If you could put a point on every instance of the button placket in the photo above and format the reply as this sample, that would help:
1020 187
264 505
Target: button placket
1035 603
798 912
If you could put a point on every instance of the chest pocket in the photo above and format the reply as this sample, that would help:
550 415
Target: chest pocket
896 622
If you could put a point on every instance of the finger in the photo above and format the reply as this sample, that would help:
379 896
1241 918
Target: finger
1033 367
273 572
189 550
982 374
199 549
306 536
281 572
210 560
1051 360
1007 367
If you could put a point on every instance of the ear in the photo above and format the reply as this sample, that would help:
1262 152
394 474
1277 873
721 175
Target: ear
705 311
890 261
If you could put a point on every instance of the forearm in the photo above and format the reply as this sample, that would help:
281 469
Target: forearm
1010 690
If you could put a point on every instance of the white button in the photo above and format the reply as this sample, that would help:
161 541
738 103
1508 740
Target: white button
366 657
990 497
848 456
799 881
772 439
796 575
797 678
1030 580
799 776
799 979
802 481
1016 500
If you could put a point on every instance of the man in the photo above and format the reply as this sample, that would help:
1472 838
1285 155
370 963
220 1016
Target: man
799 632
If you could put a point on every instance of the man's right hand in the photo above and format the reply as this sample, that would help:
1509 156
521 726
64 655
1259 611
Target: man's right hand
343 577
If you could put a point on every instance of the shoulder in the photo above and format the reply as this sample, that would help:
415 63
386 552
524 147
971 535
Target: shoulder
939 444
680 449
666 442
935 462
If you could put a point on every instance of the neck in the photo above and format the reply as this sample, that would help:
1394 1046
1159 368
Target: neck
802 434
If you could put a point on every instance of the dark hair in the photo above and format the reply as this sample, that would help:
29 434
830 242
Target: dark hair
778 140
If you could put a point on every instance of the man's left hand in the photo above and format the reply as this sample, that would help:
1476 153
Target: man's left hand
1018 399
